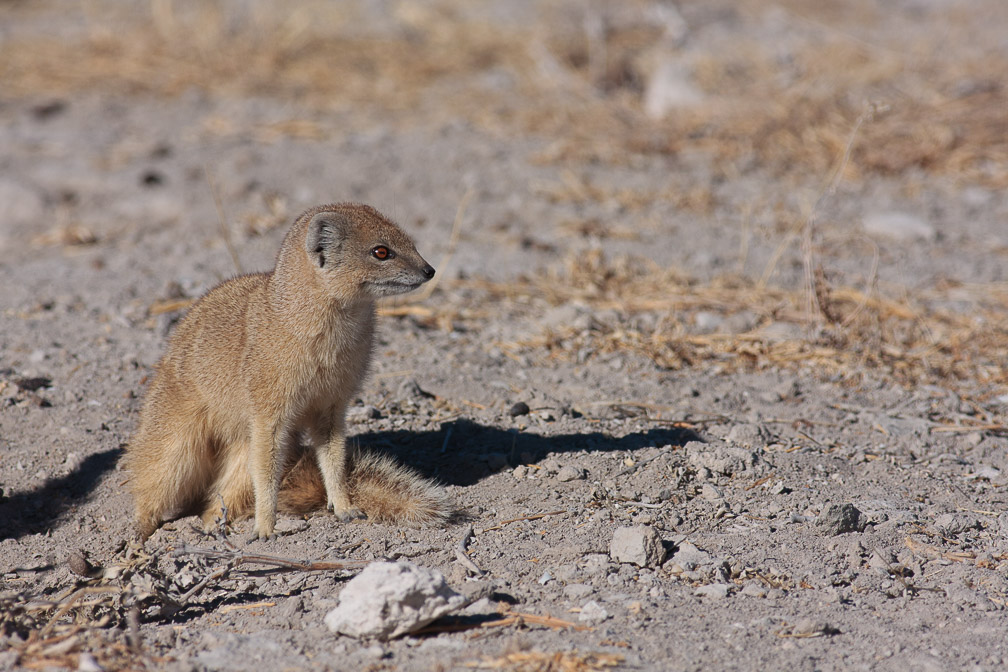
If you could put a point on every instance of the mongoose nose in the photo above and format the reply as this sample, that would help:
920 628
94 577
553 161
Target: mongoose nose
428 271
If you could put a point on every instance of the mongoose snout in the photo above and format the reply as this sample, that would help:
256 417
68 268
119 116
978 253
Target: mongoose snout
264 359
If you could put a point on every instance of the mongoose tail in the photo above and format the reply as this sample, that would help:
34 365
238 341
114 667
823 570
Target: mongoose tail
385 490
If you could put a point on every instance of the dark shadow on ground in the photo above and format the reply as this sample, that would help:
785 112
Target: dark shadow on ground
471 451
39 510
460 453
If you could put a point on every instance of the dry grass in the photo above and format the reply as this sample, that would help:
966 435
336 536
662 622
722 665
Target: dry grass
561 661
912 341
437 62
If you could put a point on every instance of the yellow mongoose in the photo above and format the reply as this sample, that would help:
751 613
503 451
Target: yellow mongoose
263 362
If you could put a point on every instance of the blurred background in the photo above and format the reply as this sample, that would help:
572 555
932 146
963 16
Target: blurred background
696 167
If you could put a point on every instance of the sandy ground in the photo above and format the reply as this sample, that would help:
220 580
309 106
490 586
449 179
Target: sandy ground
742 261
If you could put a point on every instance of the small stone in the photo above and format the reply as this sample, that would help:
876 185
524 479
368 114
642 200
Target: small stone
390 599
520 408
809 627
79 564
952 524
577 591
287 526
714 591
707 322
753 590
639 545
670 87
87 663
520 472
746 435
592 612
596 564
899 226
839 519
689 557
721 459
545 578
570 473
362 413
410 389
711 493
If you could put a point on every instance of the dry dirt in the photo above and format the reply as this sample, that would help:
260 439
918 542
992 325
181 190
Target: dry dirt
779 288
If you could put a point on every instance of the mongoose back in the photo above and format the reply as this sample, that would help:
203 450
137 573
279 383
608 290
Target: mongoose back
267 361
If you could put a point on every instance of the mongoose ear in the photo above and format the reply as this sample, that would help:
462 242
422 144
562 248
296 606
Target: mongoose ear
326 231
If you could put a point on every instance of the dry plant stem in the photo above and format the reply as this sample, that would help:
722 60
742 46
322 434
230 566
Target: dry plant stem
806 226
452 244
536 516
74 600
237 557
221 221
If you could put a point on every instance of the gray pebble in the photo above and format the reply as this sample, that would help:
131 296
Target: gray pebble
570 473
593 612
362 413
576 591
520 408
839 519
714 591
639 545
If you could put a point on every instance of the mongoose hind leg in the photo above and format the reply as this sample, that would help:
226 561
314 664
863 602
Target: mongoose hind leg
169 470
231 497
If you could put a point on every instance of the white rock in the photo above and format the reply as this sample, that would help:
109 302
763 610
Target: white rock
87 663
899 226
593 612
391 599
639 545
669 88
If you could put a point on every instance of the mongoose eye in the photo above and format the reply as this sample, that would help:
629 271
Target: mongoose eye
382 253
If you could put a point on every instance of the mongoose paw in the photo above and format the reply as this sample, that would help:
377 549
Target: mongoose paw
257 535
347 514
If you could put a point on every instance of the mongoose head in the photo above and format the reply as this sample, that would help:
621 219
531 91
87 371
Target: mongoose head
359 253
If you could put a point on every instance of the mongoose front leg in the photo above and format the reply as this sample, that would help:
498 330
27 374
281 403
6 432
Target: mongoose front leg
333 460
266 459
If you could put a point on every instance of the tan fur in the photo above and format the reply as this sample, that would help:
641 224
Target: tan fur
264 361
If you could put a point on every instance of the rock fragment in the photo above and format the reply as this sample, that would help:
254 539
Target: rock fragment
689 557
362 413
720 459
952 524
841 518
899 226
519 408
593 612
714 591
570 473
639 545
391 599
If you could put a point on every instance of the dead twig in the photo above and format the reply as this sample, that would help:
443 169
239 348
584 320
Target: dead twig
221 221
238 557
536 516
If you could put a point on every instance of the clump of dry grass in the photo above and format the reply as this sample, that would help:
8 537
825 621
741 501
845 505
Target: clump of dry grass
561 661
913 341
790 113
